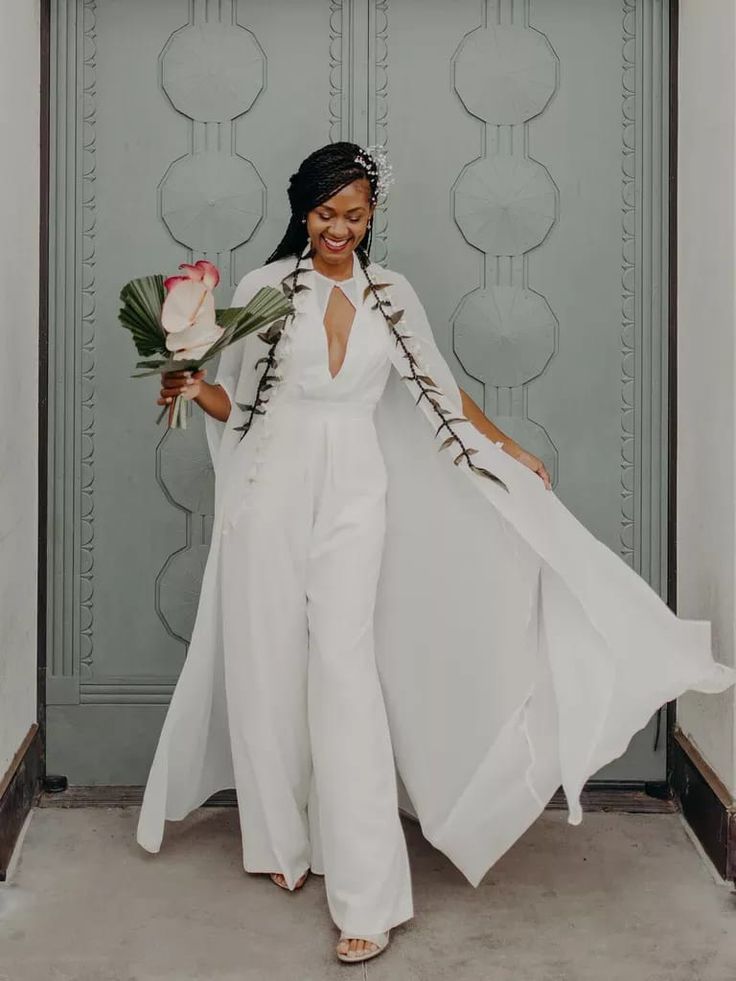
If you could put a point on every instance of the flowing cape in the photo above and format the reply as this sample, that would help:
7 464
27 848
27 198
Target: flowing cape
517 653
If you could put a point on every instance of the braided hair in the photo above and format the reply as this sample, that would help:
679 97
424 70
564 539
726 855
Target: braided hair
321 175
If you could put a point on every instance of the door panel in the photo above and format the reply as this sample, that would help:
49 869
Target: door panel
528 143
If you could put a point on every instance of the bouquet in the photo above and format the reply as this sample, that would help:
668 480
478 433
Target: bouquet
176 327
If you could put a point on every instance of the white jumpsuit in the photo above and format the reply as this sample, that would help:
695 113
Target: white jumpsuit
301 555
506 666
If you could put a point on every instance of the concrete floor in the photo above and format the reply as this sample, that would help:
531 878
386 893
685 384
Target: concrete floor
622 897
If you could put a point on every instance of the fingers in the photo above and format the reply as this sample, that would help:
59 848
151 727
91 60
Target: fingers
179 383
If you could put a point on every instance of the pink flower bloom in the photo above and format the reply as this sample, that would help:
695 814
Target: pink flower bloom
188 317
201 272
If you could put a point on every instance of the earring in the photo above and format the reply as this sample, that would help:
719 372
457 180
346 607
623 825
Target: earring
304 221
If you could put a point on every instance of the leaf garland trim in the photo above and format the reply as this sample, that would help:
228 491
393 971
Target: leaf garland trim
427 386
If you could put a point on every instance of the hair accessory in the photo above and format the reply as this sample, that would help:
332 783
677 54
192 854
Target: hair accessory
374 160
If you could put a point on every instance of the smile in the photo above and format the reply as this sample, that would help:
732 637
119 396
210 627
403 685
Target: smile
335 245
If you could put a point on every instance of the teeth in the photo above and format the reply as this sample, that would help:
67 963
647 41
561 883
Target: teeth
335 242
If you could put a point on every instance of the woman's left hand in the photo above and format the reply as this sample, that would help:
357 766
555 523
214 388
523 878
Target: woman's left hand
535 464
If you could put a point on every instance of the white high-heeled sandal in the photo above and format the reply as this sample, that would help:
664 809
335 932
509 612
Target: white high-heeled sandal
380 939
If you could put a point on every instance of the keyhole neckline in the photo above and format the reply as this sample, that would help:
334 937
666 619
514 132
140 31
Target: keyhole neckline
324 307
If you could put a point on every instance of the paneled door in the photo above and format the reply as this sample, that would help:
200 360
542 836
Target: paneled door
529 145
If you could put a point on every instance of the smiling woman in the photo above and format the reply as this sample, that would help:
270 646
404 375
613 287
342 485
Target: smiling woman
370 603
337 225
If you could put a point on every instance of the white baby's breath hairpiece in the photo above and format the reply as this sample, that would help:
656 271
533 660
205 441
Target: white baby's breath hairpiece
375 161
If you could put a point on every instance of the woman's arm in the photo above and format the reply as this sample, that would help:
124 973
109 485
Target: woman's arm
213 399
484 425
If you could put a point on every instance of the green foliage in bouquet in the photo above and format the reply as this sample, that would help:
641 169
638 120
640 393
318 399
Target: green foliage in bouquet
175 326
140 312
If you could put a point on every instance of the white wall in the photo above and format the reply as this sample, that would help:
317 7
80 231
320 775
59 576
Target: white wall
706 347
19 216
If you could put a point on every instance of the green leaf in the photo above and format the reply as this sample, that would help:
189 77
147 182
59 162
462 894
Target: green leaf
150 364
140 313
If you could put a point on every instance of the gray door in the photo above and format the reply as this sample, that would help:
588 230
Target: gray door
529 147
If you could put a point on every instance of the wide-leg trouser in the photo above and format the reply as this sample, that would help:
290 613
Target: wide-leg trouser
312 753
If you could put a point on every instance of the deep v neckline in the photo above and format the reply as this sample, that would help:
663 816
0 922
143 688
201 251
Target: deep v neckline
348 337
322 312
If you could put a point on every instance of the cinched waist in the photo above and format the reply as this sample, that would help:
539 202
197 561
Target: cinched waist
325 407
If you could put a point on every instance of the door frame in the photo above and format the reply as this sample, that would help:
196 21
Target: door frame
44 448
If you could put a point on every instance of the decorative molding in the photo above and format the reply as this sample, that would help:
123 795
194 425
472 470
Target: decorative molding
88 313
507 333
644 290
358 108
505 203
628 277
378 112
507 74
127 693
211 200
72 324
339 106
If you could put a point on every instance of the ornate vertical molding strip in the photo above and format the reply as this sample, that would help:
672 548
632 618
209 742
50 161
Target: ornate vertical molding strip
70 530
629 506
87 390
645 177
359 85
339 70
378 109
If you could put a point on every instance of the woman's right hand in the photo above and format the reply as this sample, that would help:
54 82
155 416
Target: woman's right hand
185 383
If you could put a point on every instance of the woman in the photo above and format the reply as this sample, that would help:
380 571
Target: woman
368 600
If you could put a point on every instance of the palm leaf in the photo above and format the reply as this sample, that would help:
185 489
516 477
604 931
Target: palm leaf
140 313
142 300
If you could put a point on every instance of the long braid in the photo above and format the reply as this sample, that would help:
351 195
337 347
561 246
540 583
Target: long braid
427 386
271 336
321 175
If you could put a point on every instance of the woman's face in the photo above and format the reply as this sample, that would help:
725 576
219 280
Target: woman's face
337 226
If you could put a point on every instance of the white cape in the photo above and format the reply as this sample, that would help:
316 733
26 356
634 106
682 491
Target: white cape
516 651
